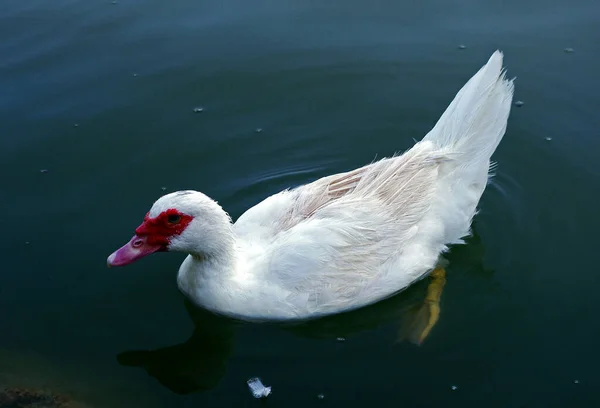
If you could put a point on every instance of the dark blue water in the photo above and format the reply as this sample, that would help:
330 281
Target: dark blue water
102 96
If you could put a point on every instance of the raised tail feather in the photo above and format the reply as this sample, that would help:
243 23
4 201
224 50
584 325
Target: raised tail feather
475 121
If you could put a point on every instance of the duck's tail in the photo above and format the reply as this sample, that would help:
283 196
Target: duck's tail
475 121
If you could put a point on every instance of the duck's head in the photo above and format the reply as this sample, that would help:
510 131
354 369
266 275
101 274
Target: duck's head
184 221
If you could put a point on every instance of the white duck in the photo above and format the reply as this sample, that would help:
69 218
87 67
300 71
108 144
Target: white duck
344 241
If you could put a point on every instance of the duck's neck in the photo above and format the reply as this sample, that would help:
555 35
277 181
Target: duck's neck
204 277
216 264
210 242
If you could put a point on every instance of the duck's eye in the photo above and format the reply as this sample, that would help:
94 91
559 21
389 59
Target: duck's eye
173 218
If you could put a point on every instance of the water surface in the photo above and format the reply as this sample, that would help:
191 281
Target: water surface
102 96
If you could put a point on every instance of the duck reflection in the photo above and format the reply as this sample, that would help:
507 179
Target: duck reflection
199 363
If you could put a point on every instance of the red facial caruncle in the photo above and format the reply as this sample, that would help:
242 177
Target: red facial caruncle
153 235
167 224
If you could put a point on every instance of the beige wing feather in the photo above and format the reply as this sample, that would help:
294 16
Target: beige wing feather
402 185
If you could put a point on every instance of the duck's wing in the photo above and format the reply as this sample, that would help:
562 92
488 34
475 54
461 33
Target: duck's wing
401 186
342 235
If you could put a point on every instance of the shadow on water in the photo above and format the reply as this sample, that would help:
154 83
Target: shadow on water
199 363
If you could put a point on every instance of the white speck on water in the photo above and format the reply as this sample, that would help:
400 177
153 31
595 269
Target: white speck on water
26 242
575 381
341 339
462 47
44 171
321 396
135 75
114 2
257 388
258 130
163 188
454 388
548 139
569 50
518 104
199 109
76 125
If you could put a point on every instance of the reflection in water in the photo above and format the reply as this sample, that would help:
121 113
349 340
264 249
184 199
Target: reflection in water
199 363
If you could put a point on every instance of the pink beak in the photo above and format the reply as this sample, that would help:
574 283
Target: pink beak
136 248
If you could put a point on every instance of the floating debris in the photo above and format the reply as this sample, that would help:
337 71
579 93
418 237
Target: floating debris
198 109
26 242
135 74
575 381
163 188
569 50
44 171
518 104
548 138
114 2
258 130
75 124
454 388
462 47
321 396
257 388
341 339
